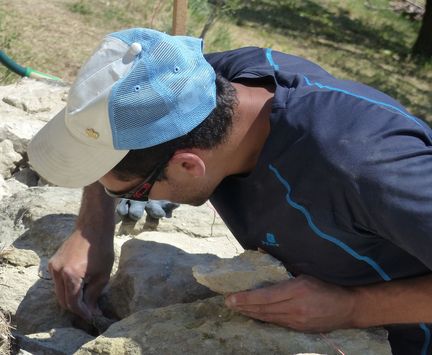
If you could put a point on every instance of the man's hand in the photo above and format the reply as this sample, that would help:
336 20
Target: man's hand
304 303
82 265
78 279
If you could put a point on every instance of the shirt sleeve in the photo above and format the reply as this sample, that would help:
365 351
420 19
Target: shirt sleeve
395 184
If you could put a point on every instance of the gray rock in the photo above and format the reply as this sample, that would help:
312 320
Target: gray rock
25 107
15 283
42 217
247 271
57 341
29 300
39 311
27 176
152 275
4 189
37 99
19 130
199 222
14 186
208 327
9 159
20 257
5 335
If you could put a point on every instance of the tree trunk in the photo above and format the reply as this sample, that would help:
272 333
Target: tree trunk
423 44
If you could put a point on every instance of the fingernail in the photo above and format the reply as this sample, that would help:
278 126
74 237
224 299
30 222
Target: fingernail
230 301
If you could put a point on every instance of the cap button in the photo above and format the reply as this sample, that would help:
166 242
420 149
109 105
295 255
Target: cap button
135 49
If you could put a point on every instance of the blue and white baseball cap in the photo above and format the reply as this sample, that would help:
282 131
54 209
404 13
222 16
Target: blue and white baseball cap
140 88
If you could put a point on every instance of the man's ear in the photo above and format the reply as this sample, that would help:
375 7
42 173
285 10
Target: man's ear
188 162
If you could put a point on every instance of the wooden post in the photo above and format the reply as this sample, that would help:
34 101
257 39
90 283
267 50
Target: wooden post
179 17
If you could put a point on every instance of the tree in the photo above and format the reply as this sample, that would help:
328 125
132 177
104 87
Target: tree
423 44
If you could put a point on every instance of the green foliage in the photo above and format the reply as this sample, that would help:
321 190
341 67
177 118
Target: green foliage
80 7
220 40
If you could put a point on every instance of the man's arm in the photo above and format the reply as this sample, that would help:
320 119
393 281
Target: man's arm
82 265
310 305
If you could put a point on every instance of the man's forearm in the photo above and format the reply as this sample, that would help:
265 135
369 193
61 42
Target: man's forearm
96 216
394 302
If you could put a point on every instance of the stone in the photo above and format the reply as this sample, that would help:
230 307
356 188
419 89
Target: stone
199 222
57 341
39 311
4 188
38 99
247 271
154 274
208 327
20 257
27 177
42 217
5 335
15 283
25 107
9 159
14 186
19 131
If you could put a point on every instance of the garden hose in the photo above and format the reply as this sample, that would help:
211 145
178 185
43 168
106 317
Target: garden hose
24 71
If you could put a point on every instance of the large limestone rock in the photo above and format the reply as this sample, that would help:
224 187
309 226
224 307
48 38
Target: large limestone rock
208 327
25 107
156 264
37 99
247 271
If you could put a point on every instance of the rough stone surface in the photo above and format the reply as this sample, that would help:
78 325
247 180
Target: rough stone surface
9 159
42 217
20 257
27 177
149 269
154 268
208 327
4 189
53 342
249 270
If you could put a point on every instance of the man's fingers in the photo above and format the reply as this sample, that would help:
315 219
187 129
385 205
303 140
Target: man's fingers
92 292
73 287
58 287
271 294
270 308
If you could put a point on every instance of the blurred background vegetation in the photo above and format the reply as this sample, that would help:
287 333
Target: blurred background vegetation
367 41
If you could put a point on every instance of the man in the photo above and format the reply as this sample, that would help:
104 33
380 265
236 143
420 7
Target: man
331 177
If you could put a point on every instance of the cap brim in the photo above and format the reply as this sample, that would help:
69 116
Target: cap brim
63 160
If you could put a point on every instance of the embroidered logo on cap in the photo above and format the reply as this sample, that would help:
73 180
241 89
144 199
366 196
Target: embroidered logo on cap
92 133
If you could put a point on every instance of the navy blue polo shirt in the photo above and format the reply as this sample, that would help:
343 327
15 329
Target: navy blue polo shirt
343 186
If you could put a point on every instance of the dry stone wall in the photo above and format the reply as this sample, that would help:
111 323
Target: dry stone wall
153 303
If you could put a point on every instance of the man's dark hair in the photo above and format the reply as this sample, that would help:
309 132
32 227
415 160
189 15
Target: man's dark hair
213 131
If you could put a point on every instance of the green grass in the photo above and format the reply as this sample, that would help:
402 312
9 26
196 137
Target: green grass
9 37
346 37
80 7
349 40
